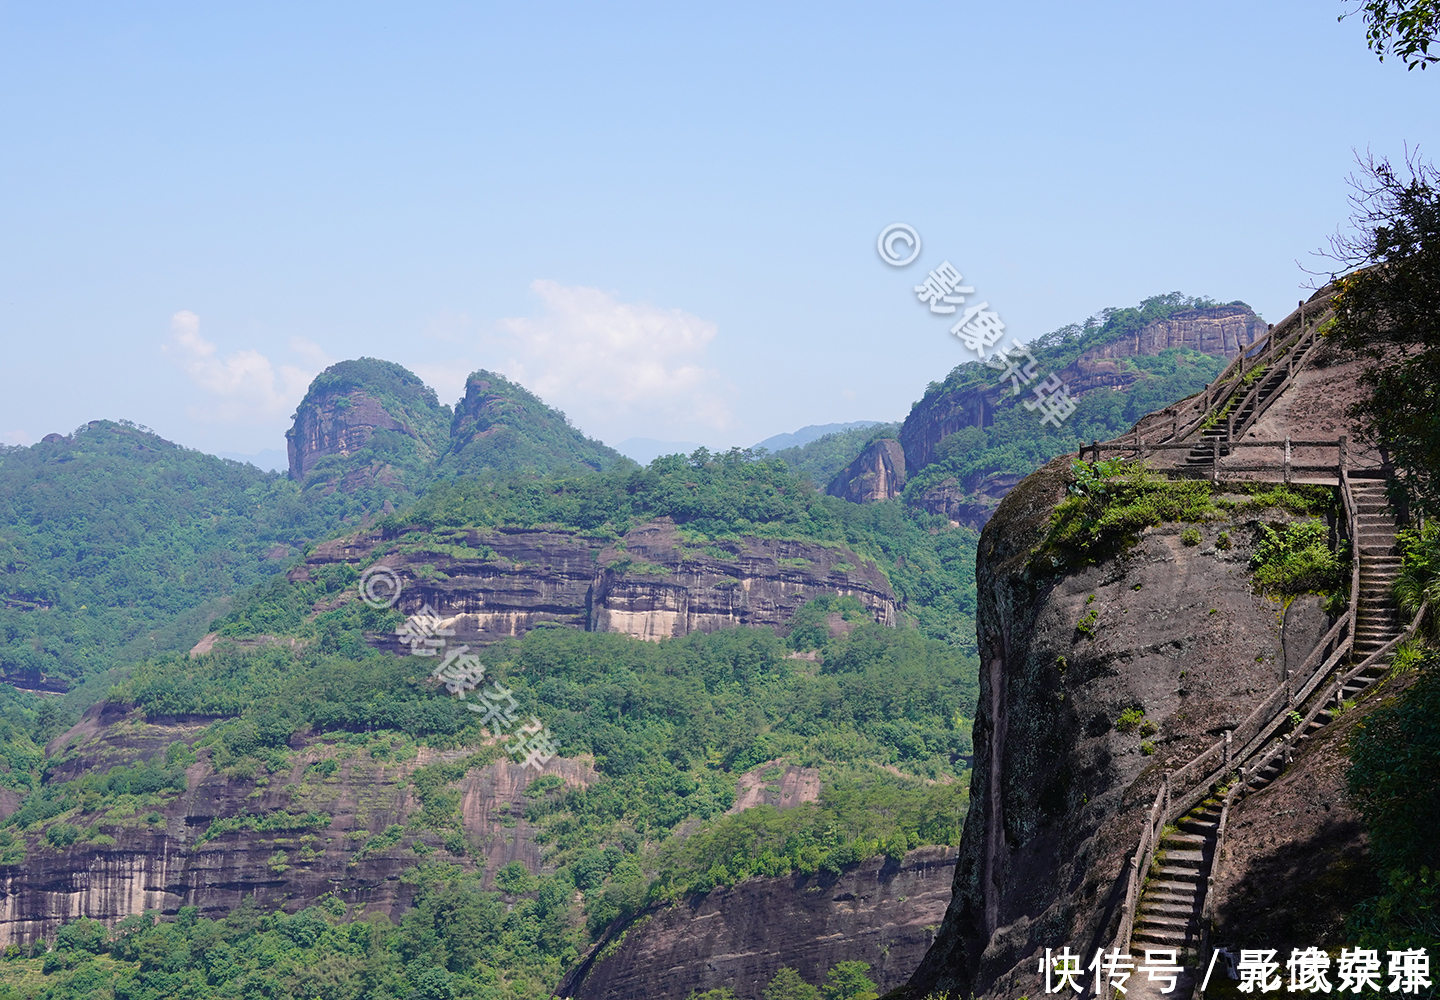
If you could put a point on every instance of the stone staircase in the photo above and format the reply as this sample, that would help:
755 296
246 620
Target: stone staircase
1172 905
1202 453
1378 618
1173 900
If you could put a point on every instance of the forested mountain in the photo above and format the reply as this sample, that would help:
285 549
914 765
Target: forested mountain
371 429
504 427
972 437
116 544
876 716
807 704
821 459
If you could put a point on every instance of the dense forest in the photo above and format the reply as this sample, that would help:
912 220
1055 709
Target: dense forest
120 550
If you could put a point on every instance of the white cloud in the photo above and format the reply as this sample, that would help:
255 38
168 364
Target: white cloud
615 367
16 437
244 387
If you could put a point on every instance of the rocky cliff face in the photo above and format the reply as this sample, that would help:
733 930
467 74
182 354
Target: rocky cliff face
371 423
1223 330
878 473
881 912
323 426
649 584
1220 331
131 863
347 405
970 503
1058 793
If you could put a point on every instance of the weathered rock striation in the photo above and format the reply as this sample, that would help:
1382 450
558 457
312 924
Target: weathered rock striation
877 473
649 584
165 860
881 911
1223 330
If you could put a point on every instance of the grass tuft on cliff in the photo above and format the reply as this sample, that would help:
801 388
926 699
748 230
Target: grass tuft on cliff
1111 502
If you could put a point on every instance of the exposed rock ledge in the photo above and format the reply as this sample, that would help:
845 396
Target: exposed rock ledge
881 911
649 584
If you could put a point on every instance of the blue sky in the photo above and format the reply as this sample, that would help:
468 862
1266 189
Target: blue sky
660 217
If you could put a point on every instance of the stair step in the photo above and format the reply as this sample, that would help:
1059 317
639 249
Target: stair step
1192 841
1173 873
1172 891
1158 922
1184 910
1164 937
1184 857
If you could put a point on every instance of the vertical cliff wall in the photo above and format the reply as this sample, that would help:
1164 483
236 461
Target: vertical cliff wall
195 850
882 912
1058 792
349 403
877 473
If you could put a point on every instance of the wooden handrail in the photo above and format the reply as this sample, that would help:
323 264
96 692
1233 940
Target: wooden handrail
1266 718
1296 333
1207 916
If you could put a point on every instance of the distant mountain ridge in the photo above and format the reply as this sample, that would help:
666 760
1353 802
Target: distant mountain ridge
969 439
373 429
811 432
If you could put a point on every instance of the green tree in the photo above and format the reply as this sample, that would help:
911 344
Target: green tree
1395 785
1402 28
1388 310
848 981
788 985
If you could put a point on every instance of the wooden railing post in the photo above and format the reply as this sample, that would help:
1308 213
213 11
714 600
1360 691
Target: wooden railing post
1215 460
1287 458
1343 447
1228 732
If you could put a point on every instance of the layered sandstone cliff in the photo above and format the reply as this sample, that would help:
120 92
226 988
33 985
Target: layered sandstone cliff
881 912
650 583
196 850
877 473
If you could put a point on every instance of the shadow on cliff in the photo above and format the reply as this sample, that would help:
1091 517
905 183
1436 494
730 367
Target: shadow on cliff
1298 894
